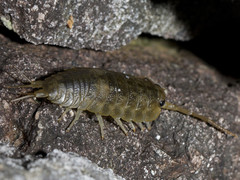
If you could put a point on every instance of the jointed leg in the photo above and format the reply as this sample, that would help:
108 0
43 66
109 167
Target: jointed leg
100 121
141 126
119 122
148 125
78 113
132 126
63 114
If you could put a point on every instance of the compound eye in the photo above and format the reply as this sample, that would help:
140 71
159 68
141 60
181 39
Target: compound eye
162 103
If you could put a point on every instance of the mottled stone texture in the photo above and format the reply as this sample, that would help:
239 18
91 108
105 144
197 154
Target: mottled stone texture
55 166
177 146
108 25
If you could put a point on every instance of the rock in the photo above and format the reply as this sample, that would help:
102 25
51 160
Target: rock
108 25
177 146
57 165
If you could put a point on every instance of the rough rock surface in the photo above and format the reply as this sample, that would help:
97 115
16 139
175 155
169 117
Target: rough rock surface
55 166
108 25
177 147
101 25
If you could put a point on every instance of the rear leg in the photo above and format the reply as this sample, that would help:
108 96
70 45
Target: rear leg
101 124
63 114
78 113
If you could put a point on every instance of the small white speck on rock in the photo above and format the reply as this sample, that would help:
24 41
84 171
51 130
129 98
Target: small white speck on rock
153 172
158 137
5 104
37 115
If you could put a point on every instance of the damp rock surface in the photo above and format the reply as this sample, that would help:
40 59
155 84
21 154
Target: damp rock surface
177 146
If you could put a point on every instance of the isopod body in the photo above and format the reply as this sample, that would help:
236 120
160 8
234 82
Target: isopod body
108 93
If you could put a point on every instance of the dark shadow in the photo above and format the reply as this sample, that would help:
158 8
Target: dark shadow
10 34
40 154
220 49
215 26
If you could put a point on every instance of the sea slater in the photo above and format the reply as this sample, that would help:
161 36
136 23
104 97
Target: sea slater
107 93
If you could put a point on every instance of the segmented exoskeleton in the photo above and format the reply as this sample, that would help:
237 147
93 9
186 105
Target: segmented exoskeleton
107 93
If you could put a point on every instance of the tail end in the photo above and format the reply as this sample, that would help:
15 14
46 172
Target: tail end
34 84
23 97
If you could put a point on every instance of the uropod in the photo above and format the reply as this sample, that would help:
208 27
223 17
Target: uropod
107 93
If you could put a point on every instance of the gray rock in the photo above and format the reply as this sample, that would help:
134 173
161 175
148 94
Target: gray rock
57 165
99 25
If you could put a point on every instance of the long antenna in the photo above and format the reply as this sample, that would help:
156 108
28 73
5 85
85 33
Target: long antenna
173 107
